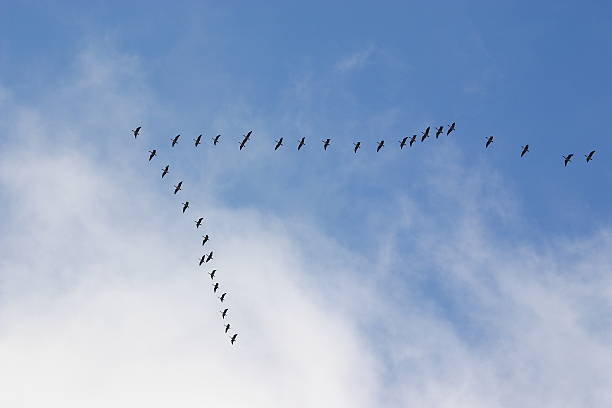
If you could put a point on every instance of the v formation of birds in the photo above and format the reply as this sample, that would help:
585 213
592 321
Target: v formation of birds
406 140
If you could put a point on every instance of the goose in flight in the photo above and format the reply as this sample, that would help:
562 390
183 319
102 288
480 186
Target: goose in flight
380 146
450 128
413 139
567 159
439 131
212 274
197 140
357 146
224 313
489 141
209 257
204 239
175 140
326 143
202 260
525 150
302 143
222 297
589 156
165 170
227 327
136 132
215 140
245 139
279 143
233 339
185 206
198 222
178 187
152 154
215 287
403 142
425 134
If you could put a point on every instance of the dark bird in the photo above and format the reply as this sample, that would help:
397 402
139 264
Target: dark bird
302 143
246 139
439 131
403 142
589 156
202 260
425 134
567 159
326 143
222 297
216 139
209 257
413 139
224 313
279 143
380 145
357 146
234 338
136 132
525 150
177 188
227 327
204 239
185 206
175 140
212 274
165 170
450 128
215 287
153 153
489 141
198 222
197 140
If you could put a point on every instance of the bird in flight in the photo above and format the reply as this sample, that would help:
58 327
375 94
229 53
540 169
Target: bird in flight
222 297
215 140
152 154
439 131
279 143
212 274
246 139
185 206
165 170
136 131
489 141
525 150
403 142
224 313
202 260
175 140
178 187
567 159
234 338
204 239
209 257
215 287
425 134
413 139
380 146
197 140
326 143
302 143
589 156
227 327
357 146
198 222
450 128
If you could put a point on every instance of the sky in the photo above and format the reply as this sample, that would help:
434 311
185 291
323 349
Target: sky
441 275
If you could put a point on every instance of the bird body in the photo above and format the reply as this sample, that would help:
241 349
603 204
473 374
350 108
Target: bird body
489 141
197 140
175 140
204 239
215 287
279 143
234 338
413 139
222 297
152 154
567 159
357 146
439 131
202 260
425 134
185 206
227 327
403 142
215 140
165 170
224 313
380 145
212 274
302 143
525 150
589 156
326 143
450 128
246 139
178 187
198 222
210 256
136 132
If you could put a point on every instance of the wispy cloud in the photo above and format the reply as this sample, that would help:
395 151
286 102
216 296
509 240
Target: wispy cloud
355 61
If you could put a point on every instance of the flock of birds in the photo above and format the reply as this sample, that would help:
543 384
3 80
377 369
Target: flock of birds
204 259
357 145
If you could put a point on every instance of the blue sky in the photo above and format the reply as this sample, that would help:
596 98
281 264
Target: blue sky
440 236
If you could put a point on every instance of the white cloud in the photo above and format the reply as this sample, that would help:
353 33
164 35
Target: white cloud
355 60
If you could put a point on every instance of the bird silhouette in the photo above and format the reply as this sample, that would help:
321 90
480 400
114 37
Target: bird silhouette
439 131
357 146
165 170
185 206
136 132
224 313
279 143
380 146
227 327
525 150
567 159
209 257
204 239
425 134
197 140
412 139
302 143
175 140
222 297
215 287
489 141
403 142
152 154
326 143
450 128
589 156
178 187
202 260
198 222
245 139
215 140
212 274
233 339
